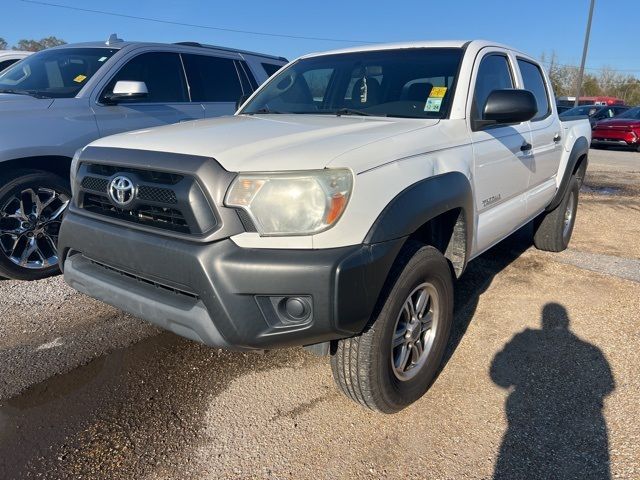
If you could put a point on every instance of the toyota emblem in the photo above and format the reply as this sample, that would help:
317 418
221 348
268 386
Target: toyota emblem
122 191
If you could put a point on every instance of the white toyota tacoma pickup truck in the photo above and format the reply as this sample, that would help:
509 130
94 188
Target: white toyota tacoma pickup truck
334 210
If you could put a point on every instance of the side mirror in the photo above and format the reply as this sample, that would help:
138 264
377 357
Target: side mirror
243 98
127 90
507 106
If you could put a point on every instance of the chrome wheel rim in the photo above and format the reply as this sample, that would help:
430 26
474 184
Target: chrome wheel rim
29 226
568 216
414 332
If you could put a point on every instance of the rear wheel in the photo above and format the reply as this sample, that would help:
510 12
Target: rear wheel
394 361
553 229
32 204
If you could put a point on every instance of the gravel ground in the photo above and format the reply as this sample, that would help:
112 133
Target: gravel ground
541 379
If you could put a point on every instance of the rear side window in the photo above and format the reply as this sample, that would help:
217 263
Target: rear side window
270 68
534 82
212 79
160 71
7 63
494 74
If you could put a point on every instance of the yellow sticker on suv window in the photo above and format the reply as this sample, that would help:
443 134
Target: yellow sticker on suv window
438 92
80 78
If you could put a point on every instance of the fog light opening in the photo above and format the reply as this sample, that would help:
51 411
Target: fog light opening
295 309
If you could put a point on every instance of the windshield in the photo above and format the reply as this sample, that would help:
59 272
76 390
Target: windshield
413 83
59 73
584 110
631 113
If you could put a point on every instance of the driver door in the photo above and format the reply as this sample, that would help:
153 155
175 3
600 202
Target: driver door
501 154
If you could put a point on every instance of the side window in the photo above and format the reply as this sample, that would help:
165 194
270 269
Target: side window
212 79
162 73
270 68
493 74
7 63
534 81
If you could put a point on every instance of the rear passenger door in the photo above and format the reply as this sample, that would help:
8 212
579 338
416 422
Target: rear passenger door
167 101
545 139
215 82
501 158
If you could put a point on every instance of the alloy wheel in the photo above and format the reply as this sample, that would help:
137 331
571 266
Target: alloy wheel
29 227
414 332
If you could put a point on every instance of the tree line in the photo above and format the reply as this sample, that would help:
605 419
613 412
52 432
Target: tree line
607 82
33 45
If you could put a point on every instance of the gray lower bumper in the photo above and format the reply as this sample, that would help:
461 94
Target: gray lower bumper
221 294
176 311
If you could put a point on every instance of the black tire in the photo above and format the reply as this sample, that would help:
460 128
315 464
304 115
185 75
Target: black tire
12 184
362 365
552 234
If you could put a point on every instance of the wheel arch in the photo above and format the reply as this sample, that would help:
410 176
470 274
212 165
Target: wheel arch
437 211
56 164
576 165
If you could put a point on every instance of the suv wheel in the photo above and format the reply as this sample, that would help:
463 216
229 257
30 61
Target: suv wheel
32 203
553 229
394 361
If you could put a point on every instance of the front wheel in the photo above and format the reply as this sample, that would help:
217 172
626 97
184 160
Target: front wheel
394 361
32 203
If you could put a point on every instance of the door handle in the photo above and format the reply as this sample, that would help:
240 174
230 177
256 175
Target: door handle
557 137
526 146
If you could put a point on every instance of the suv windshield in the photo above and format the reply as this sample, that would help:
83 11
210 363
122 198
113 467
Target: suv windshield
59 73
631 113
412 83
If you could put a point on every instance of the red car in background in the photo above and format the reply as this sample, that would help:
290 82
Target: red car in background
622 130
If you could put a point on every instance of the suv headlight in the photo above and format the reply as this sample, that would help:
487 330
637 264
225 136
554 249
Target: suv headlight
292 203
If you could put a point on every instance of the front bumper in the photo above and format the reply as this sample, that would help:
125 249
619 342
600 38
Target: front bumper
223 295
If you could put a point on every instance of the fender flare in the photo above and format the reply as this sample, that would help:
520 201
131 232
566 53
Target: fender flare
580 149
423 201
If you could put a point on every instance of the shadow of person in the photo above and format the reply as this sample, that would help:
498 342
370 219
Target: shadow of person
558 383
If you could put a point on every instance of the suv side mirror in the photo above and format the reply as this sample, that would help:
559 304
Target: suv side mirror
507 106
127 90
243 98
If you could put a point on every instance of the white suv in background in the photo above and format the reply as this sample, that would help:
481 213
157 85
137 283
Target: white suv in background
9 57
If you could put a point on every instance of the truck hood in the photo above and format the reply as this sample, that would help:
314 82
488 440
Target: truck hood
267 142
10 102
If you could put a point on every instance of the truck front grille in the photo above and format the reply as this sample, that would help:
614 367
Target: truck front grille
149 176
163 200
149 215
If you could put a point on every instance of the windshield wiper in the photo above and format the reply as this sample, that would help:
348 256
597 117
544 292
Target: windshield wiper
262 110
353 111
31 93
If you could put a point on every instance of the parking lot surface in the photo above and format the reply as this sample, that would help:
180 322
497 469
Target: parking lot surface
541 378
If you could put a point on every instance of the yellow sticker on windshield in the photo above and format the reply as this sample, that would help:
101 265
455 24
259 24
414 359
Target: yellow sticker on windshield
80 78
438 92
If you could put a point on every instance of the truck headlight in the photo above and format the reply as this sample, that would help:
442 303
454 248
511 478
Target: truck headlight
292 203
